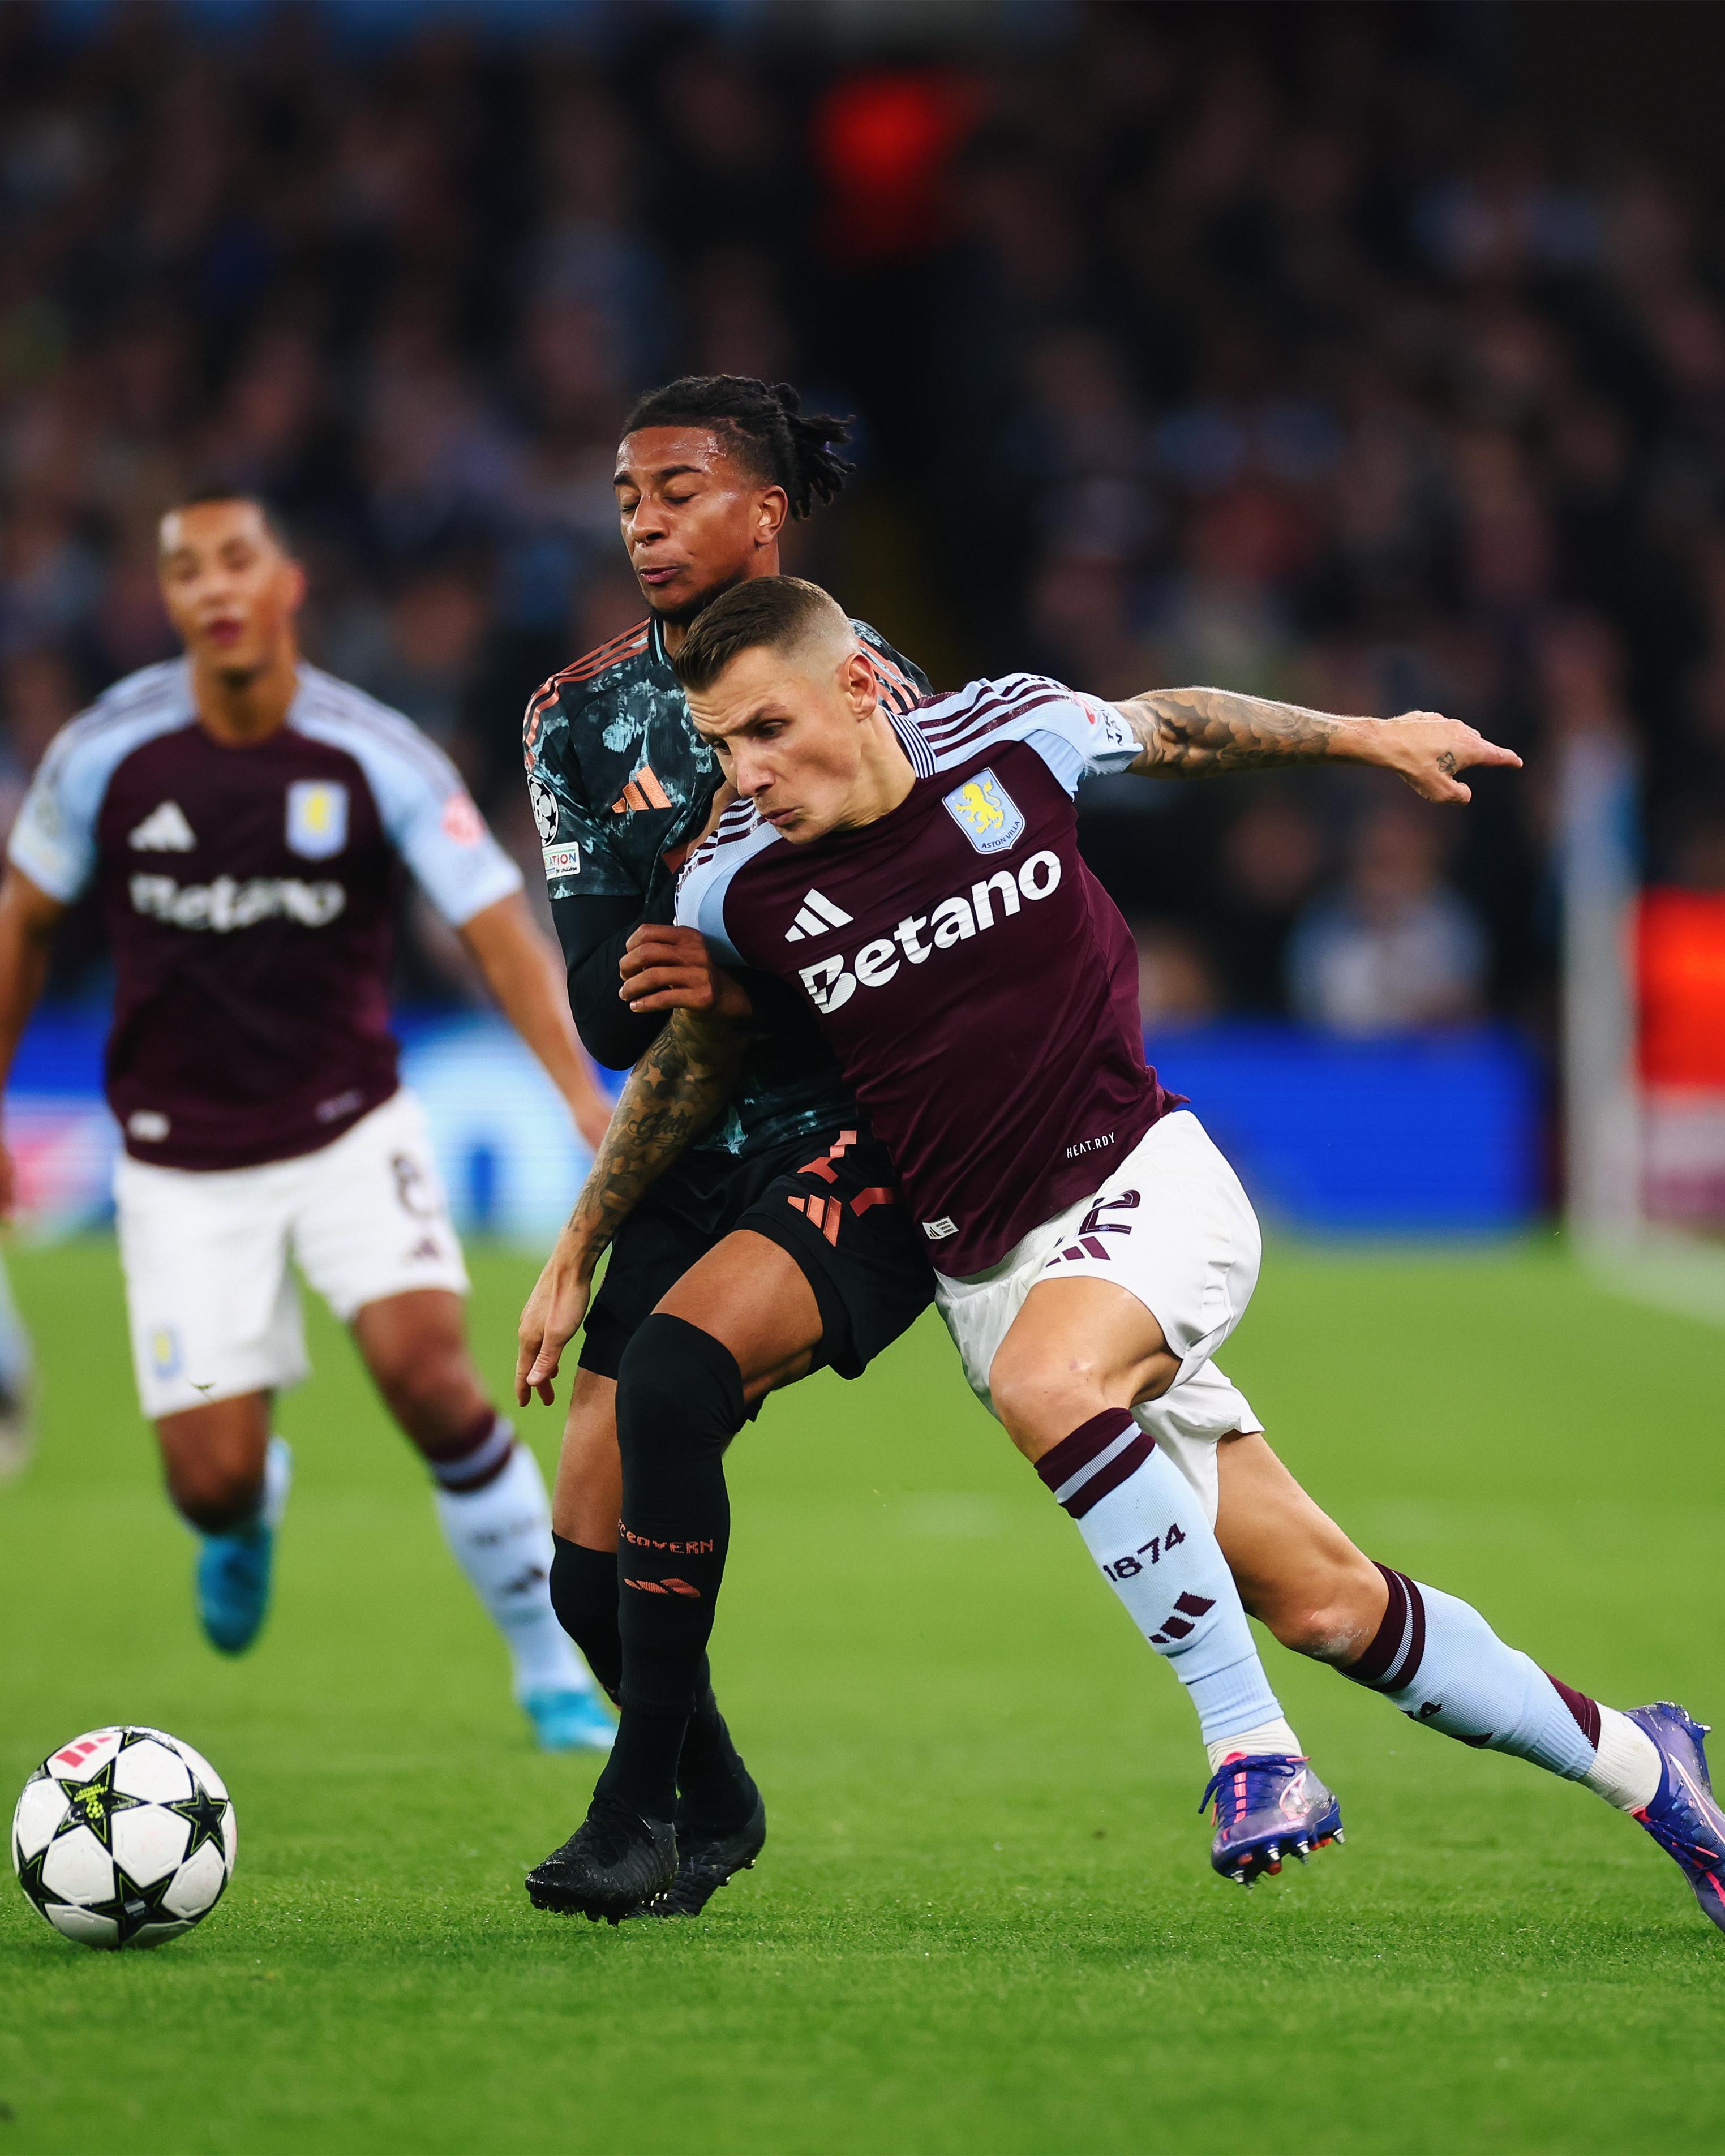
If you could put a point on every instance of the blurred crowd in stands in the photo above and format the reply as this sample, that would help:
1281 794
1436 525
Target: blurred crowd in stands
1207 346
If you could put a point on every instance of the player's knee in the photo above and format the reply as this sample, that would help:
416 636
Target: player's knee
1039 1401
215 1495
679 1399
434 1396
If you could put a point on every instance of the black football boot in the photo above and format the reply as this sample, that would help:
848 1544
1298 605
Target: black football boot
614 1862
706 1861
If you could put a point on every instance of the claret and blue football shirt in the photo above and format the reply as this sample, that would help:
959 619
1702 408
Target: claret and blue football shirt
978 984
248 894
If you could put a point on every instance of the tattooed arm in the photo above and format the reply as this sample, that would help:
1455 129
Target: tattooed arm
672 1094
1192 733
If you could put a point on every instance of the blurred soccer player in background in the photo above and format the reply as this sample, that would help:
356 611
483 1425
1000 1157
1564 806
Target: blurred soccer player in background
17 1430
917 880
708 472
244 820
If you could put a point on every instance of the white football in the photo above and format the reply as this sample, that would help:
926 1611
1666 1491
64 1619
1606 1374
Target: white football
124 1838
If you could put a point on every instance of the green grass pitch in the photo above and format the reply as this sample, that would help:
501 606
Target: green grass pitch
984 1920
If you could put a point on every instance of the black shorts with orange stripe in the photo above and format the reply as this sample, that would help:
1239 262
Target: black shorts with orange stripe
829 1201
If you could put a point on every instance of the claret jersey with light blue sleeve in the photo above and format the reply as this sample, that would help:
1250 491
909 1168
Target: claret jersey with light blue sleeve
249 895
976 984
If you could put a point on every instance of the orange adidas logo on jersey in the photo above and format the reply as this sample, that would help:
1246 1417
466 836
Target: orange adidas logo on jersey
643 791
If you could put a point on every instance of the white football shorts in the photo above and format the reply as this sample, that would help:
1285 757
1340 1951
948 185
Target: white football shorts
213 1309
1171 1225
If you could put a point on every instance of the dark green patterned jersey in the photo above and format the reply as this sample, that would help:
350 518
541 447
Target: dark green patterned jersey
621 786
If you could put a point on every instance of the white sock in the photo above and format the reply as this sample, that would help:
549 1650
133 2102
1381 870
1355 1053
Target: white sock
1142 1522
1274 1736
500 1535
1627 1769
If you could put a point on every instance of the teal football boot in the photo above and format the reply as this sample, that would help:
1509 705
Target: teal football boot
233 1570
569 1720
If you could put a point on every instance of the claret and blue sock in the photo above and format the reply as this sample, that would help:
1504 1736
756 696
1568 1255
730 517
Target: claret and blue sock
1443 1666
492 1507
1146 1527
1439 1660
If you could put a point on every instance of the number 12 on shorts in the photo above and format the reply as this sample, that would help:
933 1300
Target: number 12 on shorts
1127 1567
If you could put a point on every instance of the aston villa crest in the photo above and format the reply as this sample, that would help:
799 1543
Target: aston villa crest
316 817
986 814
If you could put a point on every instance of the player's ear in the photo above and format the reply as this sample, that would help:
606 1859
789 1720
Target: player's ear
772 506
296 586
857 677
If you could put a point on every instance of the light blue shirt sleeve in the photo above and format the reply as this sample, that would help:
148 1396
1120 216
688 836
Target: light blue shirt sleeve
54 839
448 846
1077 737
707 879
427 814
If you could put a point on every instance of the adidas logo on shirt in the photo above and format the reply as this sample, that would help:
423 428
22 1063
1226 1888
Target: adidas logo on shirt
164 830
815 916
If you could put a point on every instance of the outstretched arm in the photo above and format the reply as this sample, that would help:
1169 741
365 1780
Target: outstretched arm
1193 733
670 1097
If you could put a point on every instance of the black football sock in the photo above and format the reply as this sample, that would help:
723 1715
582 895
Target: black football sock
715 1789
583 1593
679 1401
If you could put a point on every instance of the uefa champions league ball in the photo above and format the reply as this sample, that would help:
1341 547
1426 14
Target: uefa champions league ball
124 1838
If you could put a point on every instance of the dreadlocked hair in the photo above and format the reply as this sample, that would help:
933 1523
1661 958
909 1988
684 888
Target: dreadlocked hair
765 421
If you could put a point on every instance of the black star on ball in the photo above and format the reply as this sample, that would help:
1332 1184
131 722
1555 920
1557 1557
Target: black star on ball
93 1804
206 1814
29 1874
133 1907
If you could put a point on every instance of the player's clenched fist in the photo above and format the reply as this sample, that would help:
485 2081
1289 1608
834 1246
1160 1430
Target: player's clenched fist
1428 750
665 968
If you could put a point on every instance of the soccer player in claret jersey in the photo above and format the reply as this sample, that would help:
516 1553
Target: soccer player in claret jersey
916 881
243 821
771 1207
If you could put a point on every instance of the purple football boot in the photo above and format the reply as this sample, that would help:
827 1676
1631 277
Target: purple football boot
1685 1818
1269 1805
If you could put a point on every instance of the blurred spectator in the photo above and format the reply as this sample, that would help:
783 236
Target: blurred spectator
39 692
1392 948
1272 855
1176 985
419 653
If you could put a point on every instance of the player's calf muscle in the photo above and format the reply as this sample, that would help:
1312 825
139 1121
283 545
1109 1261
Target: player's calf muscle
1298 1572
589 1485
213 1458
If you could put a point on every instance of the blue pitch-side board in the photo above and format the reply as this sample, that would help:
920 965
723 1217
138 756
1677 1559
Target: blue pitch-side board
1441 1135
